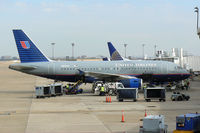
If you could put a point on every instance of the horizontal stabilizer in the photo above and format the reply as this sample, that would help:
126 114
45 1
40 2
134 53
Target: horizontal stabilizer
20 67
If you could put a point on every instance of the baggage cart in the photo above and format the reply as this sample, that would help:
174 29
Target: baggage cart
154 93
42 91
57 88
127 93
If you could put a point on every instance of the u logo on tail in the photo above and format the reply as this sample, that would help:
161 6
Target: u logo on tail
25 44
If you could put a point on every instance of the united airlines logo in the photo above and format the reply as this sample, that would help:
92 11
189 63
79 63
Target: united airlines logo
25 44
116 56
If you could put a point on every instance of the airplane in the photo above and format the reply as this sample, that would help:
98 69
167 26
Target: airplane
34 62
114 54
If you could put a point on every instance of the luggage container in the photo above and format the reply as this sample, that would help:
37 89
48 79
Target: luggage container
127 93
57 88
42 91
52 90
153 124
188 122
154 93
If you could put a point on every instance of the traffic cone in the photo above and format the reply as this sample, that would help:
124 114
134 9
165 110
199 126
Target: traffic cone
106 98
122 116
110 100
145 114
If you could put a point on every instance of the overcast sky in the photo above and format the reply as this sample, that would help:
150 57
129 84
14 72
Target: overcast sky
90 24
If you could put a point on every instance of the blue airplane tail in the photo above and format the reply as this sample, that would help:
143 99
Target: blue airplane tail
114 55
27 50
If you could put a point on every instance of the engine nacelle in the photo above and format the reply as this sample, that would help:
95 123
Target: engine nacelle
198 32
132 83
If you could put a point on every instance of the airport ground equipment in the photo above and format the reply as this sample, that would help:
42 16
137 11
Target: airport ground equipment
177 96
170 87
74 88
42 91
153 124
126 93
96 86
189 123
52 91
111 87
154 93
57 89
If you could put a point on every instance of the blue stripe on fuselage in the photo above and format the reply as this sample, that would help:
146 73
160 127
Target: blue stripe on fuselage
155 77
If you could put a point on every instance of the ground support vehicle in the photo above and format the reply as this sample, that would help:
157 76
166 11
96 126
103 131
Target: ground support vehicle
188 123
111 87
74 88
153 124
177 96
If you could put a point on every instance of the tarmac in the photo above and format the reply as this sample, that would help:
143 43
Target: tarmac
21 112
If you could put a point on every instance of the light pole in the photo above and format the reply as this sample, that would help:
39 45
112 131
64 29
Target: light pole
125 45
155 46
53 44
143 49
197 11
73 50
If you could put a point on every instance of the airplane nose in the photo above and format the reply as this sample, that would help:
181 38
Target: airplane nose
186 73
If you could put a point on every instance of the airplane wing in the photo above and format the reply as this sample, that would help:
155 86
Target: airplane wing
106 76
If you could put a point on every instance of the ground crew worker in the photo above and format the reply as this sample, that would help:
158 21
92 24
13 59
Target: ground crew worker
67 85
67 88
188 84
102 91
182 84
185 84
144 87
